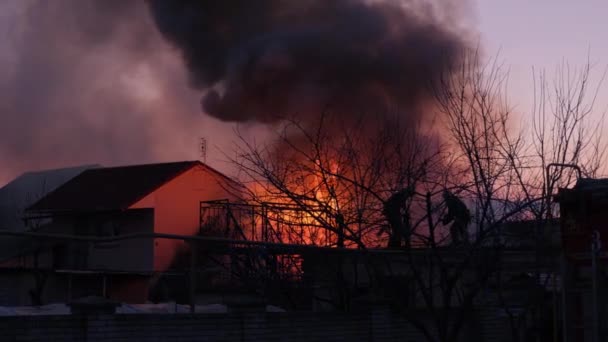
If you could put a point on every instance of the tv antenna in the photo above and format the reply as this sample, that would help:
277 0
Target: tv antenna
203 149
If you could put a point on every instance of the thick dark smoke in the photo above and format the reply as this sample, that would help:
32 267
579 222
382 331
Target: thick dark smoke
91 82
265 59
100 81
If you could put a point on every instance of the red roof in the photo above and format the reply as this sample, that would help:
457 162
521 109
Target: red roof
112 188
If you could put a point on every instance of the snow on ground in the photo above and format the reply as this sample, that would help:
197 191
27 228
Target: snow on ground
161 308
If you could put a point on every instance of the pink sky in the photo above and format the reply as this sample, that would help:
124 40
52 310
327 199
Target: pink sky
541 34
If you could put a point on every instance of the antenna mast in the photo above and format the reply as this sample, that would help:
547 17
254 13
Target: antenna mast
203 149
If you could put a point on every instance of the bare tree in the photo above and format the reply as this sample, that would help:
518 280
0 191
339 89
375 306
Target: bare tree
442 194
505 169
341 176
566 130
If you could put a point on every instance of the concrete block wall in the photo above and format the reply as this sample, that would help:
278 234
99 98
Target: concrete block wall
237 327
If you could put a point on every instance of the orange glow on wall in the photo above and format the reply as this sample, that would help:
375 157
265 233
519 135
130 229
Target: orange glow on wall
177 208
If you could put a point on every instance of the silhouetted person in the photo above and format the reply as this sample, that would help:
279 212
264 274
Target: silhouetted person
396 214
459 215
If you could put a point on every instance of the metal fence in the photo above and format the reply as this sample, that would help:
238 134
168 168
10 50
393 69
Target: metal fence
267 222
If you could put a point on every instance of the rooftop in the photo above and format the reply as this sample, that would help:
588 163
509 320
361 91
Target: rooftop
112 188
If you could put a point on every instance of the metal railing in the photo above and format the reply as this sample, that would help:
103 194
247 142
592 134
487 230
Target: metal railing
267 222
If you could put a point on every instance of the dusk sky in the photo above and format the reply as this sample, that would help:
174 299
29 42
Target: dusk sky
526 34
542 34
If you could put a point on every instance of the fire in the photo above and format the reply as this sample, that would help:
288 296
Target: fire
309 218
325 183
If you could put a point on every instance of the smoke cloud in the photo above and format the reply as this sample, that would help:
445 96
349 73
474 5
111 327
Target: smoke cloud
266 59
120 82
92 82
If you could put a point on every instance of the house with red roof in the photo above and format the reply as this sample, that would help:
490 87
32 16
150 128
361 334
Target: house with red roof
111 201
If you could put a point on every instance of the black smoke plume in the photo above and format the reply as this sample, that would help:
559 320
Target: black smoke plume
265 59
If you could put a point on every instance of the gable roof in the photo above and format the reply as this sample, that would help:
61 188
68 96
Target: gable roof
29 187
113 188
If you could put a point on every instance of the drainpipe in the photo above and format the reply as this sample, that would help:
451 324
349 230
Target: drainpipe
565 280
192 274
596 245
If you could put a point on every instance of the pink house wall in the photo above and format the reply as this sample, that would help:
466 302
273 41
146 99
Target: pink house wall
177 208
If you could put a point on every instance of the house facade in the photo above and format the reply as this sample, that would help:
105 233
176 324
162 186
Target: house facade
116 201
